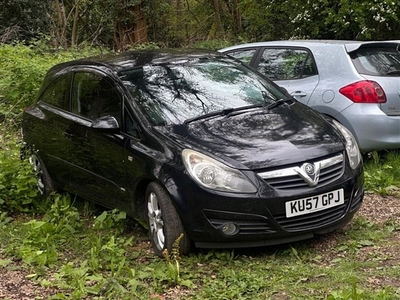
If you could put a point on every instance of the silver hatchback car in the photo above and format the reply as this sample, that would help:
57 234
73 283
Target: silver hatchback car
356 83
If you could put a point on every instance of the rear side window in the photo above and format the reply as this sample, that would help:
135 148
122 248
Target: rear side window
286 64
378 61
244 56
57 93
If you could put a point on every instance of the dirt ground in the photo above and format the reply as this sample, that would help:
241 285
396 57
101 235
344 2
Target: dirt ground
14 283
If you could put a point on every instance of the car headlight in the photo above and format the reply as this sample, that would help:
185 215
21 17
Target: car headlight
353 152
214 175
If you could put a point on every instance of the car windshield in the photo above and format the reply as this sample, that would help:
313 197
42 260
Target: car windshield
174 92
380 61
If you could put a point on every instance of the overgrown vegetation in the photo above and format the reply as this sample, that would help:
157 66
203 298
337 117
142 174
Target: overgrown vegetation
97 255
86 252
22 69
382 172
120 24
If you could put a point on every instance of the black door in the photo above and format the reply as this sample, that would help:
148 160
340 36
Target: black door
97 160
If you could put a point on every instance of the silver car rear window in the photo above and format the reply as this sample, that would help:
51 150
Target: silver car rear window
378 61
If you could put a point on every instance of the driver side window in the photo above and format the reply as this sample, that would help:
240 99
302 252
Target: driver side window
93 96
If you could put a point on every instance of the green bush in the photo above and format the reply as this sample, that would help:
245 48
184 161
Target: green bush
17 183
23 68
212 44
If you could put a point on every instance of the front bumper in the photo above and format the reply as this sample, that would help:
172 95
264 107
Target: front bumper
260 220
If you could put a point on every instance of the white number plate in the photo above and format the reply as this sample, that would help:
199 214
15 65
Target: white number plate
315 203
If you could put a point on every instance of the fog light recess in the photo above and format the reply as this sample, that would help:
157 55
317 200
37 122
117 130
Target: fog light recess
229 229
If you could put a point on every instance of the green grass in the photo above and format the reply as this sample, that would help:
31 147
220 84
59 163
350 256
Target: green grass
101 257
382 172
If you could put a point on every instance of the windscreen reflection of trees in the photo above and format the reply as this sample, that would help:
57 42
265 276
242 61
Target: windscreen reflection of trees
170 94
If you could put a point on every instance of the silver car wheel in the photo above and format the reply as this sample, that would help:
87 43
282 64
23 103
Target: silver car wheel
164 224
43 181
156 222
37 168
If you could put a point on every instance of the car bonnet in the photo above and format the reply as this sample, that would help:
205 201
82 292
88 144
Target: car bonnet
260 139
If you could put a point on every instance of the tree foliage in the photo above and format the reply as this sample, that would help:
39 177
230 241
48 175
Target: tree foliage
345 19
122 24
22 19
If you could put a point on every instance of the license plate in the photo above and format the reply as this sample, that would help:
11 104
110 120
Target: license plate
315 203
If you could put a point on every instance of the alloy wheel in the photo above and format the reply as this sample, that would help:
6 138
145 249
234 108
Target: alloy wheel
156 222
37 168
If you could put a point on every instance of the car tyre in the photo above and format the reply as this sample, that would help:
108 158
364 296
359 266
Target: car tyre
164 224
43 179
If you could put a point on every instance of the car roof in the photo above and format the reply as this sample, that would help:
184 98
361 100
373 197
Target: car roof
131 59
350 45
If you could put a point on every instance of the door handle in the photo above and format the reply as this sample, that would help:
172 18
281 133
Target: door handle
299 94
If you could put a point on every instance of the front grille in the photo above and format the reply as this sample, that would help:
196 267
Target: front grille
311 221
289 178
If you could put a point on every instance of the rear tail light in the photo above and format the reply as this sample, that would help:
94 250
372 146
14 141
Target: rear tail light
365 91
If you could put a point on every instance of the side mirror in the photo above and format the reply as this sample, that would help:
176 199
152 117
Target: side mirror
108 123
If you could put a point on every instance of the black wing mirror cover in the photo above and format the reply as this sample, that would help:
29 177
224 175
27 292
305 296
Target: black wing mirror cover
108 123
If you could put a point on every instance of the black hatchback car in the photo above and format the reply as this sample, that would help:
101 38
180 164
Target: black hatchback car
196 144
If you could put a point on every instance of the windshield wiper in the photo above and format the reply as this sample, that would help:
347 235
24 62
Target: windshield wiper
243 109
224 112
228 112
221 112
279 103
394 72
